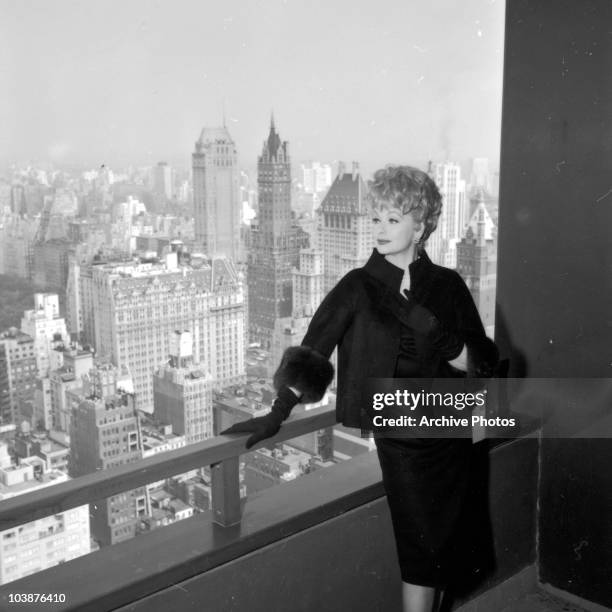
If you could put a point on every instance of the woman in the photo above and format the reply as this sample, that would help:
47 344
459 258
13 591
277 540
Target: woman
398 316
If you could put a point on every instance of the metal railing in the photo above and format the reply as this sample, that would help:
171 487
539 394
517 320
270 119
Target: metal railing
221 452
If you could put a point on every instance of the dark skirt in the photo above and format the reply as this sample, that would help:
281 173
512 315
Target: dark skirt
427 482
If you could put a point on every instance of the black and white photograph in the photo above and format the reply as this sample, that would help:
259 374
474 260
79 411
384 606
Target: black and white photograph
306 306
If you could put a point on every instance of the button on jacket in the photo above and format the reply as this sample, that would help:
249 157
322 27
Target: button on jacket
364 313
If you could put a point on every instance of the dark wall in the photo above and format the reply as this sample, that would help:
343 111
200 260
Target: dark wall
555 214
554 315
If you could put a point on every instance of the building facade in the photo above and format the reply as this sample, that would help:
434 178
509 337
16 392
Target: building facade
344 227
442 245
182 392
275 242
216 198
137 307
18 373
105 433
477 263
49 541
308 283
48 330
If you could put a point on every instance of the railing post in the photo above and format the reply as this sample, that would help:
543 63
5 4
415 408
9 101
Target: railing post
226 492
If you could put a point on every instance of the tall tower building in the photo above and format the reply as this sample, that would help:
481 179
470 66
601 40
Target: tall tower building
308 290
441 246
182 392
275 241
216 198
162 180
48 329
477 263
18 245
18 373
104 433
77 363
344 228
79 302
316 177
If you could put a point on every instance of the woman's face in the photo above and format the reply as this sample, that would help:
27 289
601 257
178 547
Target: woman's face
393 231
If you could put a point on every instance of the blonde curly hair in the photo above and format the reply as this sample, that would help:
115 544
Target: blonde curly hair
410 190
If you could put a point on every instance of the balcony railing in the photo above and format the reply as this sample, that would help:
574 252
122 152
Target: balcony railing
138 568
125 572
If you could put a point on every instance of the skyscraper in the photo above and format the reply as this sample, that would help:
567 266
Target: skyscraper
18 372
162 180
48 329
275 241
454 217
308 283
344 229
182 392
69 376
477 263
104 433
316 177
216 202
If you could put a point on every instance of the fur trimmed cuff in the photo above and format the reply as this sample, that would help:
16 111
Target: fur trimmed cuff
306 370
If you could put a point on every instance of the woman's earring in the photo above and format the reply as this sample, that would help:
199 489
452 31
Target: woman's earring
417 249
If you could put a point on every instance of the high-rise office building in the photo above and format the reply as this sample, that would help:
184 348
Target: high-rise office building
47 541
163 175
477 263
344 228
79 303
50 263
104 433
18 245
441 246
275 241
77 363
308 282
182 392
316 177
216 198
136 307
18 373
48 330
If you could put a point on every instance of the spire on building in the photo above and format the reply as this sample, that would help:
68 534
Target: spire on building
481 224
274 141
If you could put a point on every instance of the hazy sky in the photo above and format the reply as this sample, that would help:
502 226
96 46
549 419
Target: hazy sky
134 81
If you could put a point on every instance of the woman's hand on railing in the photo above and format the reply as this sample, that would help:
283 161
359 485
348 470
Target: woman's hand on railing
261 428
268 425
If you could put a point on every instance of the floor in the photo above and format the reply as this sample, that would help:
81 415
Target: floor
541 602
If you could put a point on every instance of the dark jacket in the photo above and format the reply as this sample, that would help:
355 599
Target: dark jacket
363 315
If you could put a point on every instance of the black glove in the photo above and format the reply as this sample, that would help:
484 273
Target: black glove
268 425
483 359
423 321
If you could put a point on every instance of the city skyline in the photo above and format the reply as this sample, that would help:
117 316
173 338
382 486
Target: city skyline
137 84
